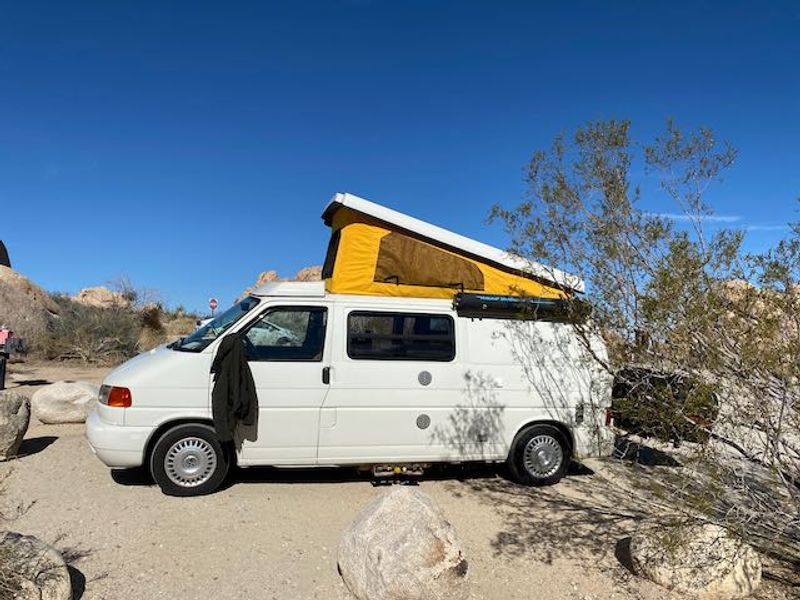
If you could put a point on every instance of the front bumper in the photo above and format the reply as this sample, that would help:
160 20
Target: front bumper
116 446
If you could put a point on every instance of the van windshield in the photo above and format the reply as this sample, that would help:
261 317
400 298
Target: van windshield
200 339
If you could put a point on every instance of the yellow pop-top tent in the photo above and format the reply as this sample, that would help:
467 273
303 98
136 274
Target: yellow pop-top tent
377 251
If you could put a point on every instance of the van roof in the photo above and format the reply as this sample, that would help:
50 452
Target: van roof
449 238
316 289
297 289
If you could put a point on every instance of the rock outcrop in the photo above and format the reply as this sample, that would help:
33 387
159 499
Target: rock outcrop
308 274
402 547
304 274
24 306
101 297
699 561
15 415
64 401
36 570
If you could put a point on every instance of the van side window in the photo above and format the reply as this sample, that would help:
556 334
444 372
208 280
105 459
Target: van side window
287 334
400 336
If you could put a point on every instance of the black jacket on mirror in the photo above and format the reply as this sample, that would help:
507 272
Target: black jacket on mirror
233 399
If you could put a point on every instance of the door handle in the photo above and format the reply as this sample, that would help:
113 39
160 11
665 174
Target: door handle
326 375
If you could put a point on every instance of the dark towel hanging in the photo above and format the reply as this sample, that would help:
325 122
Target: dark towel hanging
233 399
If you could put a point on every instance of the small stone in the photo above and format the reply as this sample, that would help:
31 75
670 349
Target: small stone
38 570
701 561
402 547
15 415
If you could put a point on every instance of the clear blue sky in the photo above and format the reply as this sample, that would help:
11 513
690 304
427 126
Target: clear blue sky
191 145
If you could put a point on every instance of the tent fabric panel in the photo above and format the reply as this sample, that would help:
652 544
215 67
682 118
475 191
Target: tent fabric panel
356 261
354 267
439 237
402 259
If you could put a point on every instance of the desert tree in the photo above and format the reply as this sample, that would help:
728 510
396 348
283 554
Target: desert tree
674 293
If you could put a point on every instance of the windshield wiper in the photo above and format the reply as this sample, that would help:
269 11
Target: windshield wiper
184 349
178 346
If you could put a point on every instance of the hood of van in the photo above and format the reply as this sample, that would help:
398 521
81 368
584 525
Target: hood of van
162 367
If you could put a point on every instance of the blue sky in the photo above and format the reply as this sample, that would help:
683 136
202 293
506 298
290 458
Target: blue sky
191 145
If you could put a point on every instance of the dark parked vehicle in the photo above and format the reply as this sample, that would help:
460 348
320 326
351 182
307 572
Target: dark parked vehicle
668 406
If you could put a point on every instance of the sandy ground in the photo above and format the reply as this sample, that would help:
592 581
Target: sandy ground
273 534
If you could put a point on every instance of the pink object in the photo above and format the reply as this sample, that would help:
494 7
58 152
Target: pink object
5 334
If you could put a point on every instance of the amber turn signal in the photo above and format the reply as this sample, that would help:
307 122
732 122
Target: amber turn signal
119 397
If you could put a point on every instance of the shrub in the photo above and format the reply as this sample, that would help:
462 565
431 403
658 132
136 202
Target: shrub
107 336
103 336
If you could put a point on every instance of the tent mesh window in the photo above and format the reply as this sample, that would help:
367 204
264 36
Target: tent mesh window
405 260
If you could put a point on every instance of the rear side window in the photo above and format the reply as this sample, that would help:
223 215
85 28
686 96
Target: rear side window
400 336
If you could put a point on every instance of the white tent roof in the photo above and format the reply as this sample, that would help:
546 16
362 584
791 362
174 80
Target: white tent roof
450 239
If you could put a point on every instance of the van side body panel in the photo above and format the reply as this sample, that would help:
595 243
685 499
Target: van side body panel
505 375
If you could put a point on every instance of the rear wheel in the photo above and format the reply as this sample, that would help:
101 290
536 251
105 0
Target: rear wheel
189 460
540 455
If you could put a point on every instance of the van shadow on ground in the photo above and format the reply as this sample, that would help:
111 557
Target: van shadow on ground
265 475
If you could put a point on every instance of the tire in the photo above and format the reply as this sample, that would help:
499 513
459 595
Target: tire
189 460
539 456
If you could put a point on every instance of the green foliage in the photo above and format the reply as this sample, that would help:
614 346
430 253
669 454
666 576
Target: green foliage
672 295
583 214
666 406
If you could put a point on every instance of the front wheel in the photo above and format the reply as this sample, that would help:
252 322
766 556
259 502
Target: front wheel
539 455
189 460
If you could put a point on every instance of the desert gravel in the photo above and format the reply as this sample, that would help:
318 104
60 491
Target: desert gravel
273 534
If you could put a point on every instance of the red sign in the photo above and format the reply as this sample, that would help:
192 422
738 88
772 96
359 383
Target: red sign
213 304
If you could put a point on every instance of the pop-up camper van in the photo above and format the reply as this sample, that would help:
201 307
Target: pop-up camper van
419 346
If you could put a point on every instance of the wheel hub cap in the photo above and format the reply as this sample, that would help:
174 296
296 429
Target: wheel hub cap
190 462
543 456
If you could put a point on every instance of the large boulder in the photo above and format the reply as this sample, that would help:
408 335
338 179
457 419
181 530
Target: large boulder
700 561
101 297
308 274
24 306
401 547
15 415
64 401
34 570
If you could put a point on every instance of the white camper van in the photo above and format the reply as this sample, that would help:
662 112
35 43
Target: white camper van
393 383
